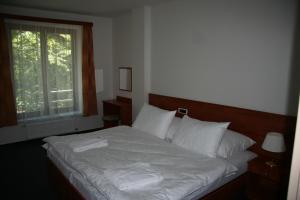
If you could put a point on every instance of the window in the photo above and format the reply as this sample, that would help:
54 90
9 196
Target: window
46 69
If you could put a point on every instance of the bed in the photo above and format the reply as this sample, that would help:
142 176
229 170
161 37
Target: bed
75 179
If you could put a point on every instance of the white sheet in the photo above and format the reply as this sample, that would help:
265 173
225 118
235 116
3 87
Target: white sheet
184 172
240 160
134 176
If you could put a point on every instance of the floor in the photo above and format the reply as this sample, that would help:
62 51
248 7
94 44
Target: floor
24 171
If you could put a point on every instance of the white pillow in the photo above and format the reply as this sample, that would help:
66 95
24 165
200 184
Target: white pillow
154 120
232 143
173 128
200 136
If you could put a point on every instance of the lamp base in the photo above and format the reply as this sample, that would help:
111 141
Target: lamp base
271 164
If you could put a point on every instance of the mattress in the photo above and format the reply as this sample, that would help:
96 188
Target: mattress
89 191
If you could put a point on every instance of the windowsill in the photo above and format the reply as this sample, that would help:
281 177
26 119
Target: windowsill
48 127
52 118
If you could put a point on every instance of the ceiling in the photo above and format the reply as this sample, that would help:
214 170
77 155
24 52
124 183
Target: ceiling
105 8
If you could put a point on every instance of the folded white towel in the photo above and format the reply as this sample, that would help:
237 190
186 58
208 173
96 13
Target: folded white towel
83 145
134 176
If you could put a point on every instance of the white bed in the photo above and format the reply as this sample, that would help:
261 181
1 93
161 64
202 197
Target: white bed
187 175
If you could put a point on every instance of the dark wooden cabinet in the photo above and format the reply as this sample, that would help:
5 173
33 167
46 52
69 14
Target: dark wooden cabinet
265 182
117 111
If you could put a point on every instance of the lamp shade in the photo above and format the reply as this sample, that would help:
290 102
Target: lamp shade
274 142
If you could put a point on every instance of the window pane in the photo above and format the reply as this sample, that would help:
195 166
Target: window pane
26 56
60 72
45 71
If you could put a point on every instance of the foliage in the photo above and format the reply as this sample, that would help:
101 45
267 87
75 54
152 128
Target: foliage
43 72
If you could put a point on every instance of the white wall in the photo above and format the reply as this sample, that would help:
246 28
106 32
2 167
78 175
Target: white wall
141 54
102 38
132 47
121 48
235 52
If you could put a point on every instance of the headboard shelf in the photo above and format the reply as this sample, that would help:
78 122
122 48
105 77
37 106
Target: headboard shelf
255 124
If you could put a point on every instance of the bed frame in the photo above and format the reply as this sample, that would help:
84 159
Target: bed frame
254 124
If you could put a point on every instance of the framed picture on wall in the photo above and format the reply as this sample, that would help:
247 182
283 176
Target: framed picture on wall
125 79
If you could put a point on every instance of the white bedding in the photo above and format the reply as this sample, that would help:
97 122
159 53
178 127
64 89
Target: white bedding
183 172
135 176
87 144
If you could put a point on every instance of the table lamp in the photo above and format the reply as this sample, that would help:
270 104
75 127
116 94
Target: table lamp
274 142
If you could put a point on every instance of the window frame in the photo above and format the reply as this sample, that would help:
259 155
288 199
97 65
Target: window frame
45 28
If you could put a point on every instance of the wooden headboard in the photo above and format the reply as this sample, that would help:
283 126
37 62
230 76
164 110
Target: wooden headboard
255 124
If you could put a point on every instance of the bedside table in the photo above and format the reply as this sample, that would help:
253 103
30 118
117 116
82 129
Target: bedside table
115 110
264 182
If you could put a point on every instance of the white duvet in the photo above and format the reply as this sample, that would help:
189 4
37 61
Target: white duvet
182 172
135 176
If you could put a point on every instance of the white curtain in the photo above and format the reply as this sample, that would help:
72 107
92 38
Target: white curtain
43 60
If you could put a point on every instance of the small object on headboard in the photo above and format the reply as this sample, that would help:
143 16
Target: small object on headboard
183 111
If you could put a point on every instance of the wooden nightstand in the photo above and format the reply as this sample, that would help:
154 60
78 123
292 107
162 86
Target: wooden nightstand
116 110
265 182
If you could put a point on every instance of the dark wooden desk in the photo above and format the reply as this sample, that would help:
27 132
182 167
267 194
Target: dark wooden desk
121 108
